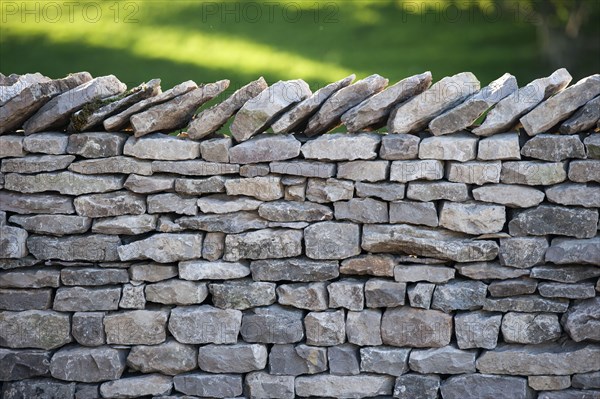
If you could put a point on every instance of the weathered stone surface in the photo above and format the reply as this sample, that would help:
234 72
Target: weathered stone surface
417 386
522 252
294 269
11 146
477 329
342 147
385 191
42 329
21 364
13 242
159 146
212 270
545 359
582 320
88 328
135 387
82 299
133 297
512 196
205 324
551 219
370 171
574 194
296 360
219 203
231 223
445 360
459 295
569 394
419 328
441 244
374 111
263 244
561 106
137 327
267 188
272 325
384 360
434 274
64 182
210 120
330 190
242 294
526 303
343 360
357 386
116 164
56 112
565 274
586 380
474 172
472 218
38 389
93 276
149 184
374 265
94 247
286 211
457 147
213 248
591 142
530 328
405 171
16 84
508 111
437 190
533 173
416 113
553 148
420 295
312 296
363 328
164 248
176 113
172 203
209 385
504 146
265 148
332 240
260 384
325 328
216 149
151 272
329 114
237 358
304 168
194 167
18 299
88 364
176 292
465 114
110 204
97 144
413 212
54 143
573 251
213 184
399 146
125 225
36 163
475 386
549 382
563 290
348 293
584 119
258 113
511 287
362 210
584 171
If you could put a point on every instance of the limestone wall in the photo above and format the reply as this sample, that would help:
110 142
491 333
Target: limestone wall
447 258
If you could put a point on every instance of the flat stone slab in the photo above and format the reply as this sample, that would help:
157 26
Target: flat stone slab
553 148
20 83
584 119
294 269
40 329
164 248
475 386
88 364
160 146
342 147
265 148
552 219
64 182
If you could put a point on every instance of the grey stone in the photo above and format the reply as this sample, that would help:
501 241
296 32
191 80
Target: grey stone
329 114
172 203
422 241
573 251
445 360
420 295
133 297
294 269
236 358
325 328
526 303
176 292
583 119
332 240
117 164
40 329
11 146
176 113
356 386
512 287
399 146
56 112
160 146
512 196
220 203
18 83
83 299
272 325
569 394
544 359
301 359
213 184
258 113
209 385
413 212
263 244
362 210
13 242
210 120
342 147
565 274
152 272
149 184
533 173
405 171
88 364
37 163
586 380
530 328
265 148
205 324
304 168
194 167
384 360
38 389
591 142
22 364
88 328
477 329
563 290
582 320
54 143
474 172
459 295
374 111
231 223
343 360
164 248
508 111
18 263
312 296
135 387
330 190
254 170
216 150
19 299
433 191
125 225
561 106
110 204
212 270
553 148
416 113
94 247
465 114
385 191
97 144
260 384
574 194
522 252
475 386
295 193
549 382
434 274
551 219
370 171
93 276
286 211
264 188
347 293
584 171
419 328
242 294
136 327
374 265
64 182
455 147
504 146
417 386
363 328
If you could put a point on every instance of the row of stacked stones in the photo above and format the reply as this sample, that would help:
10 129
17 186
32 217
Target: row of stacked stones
426 262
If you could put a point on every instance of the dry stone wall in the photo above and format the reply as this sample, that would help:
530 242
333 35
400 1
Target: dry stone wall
445 245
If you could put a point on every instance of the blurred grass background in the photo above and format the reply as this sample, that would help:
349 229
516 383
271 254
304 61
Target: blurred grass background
319 41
